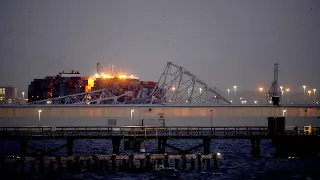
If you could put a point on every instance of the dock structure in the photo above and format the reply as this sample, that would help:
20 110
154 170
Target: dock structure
142 132
134 137
109 163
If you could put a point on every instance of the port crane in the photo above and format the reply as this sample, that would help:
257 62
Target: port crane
274 91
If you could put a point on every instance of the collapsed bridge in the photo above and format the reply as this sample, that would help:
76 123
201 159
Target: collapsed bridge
176 85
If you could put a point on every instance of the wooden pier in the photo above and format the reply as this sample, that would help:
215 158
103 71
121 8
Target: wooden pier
141 132
136 135
109 163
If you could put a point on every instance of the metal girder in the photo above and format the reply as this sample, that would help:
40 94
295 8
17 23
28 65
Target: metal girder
94 97
179 86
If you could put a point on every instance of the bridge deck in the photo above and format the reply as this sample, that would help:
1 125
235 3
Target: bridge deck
142 132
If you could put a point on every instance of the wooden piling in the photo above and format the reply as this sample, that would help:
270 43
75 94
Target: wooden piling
96 163
199 161
51 167
149 164
176 163
141 164
166 161
208 164
3 165
60 169
215 161
206 145
162 141
81 164
77 167
41 164
131 163
184 162
255 142
32 167
113 163
23 144
116 145
192 164
69 153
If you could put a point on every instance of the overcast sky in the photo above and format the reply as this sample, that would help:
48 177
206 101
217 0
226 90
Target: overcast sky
223 42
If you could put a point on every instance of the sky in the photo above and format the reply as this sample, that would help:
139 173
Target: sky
223 42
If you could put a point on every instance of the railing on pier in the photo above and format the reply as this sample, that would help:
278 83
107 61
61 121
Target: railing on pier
139 131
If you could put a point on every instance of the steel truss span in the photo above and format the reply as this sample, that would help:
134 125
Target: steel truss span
177 85
94 97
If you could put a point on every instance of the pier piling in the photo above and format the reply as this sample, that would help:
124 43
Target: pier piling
206 145
162 141
116 145
255 142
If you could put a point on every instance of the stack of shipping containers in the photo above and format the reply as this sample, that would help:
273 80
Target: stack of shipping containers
72 83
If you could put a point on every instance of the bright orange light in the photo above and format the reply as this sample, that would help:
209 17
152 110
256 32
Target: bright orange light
288 90
261 89
90 84
309 92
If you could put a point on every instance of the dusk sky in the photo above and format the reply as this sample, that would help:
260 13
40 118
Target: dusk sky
223 42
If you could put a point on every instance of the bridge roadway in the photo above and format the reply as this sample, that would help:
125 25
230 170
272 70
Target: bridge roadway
140 132
175 115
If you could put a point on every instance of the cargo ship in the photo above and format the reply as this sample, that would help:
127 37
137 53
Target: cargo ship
72 82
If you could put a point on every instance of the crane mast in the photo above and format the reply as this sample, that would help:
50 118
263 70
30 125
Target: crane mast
274 91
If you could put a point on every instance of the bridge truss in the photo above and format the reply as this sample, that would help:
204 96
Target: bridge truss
94 97
175 86
179 86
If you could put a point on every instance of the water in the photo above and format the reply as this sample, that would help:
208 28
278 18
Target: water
236 162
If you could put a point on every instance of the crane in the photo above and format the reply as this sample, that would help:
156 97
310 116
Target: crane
274 89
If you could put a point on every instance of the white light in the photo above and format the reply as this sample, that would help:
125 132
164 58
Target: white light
218 154
132 110
39 111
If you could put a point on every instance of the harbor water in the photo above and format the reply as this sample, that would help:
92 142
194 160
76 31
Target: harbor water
237 161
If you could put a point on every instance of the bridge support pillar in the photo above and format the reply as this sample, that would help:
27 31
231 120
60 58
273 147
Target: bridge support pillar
162 141
69 153
206 145
23 144
70 146
255 142
116 145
